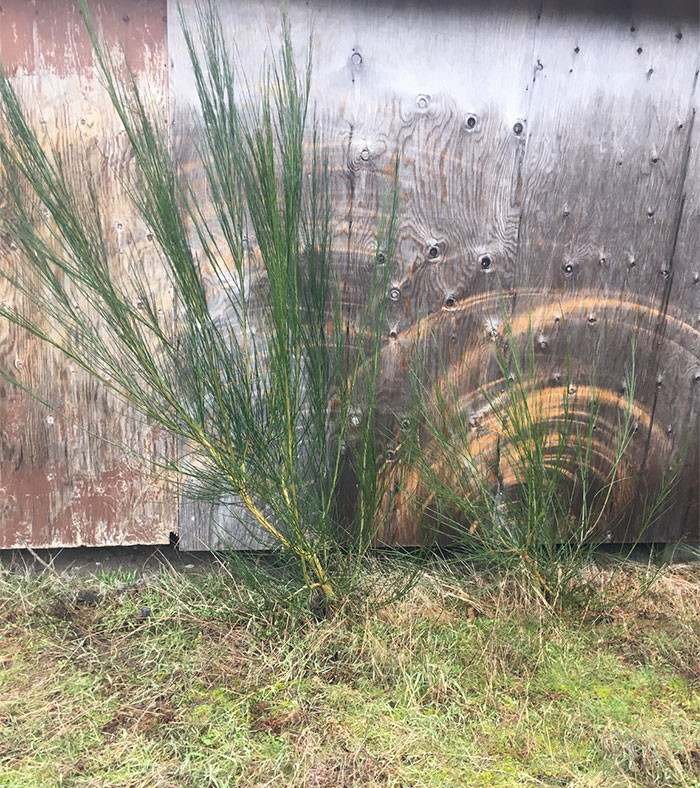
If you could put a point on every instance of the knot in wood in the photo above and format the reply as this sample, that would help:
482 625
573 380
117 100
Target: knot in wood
422 101
433 251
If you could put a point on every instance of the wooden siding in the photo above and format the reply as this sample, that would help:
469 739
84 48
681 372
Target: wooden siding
68 476
550 173
544 168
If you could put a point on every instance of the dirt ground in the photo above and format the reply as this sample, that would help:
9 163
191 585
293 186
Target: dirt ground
76 562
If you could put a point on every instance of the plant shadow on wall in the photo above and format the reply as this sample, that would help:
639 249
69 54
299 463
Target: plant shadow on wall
529 480
272 397
275 398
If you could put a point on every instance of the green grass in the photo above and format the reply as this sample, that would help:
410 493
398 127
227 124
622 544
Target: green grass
458 684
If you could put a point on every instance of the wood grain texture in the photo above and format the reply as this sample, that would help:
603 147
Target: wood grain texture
607 159
678 358
549 177
545 150
69 476
381 90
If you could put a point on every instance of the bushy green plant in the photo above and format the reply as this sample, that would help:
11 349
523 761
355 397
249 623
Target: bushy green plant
268 420
519 483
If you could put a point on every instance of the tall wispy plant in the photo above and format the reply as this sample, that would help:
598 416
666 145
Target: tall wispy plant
530 483
271 419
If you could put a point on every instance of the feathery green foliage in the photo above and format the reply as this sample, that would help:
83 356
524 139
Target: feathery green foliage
527 493
272 398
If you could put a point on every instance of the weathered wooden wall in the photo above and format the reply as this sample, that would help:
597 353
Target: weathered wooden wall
550 167
62 484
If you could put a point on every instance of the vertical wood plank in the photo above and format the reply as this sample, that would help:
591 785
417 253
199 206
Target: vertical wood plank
607 158
69 476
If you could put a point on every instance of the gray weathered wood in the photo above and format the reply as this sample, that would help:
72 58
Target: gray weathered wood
544 158
549 176
413 82
607 150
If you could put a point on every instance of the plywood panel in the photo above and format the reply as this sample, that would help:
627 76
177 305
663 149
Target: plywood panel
69 476
419 82
548 174
545 150
678 358
609 135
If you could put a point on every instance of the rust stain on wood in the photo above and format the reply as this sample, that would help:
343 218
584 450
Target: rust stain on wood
67 476
550 176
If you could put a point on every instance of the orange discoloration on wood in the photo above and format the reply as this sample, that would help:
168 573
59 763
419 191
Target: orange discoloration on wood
68 476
